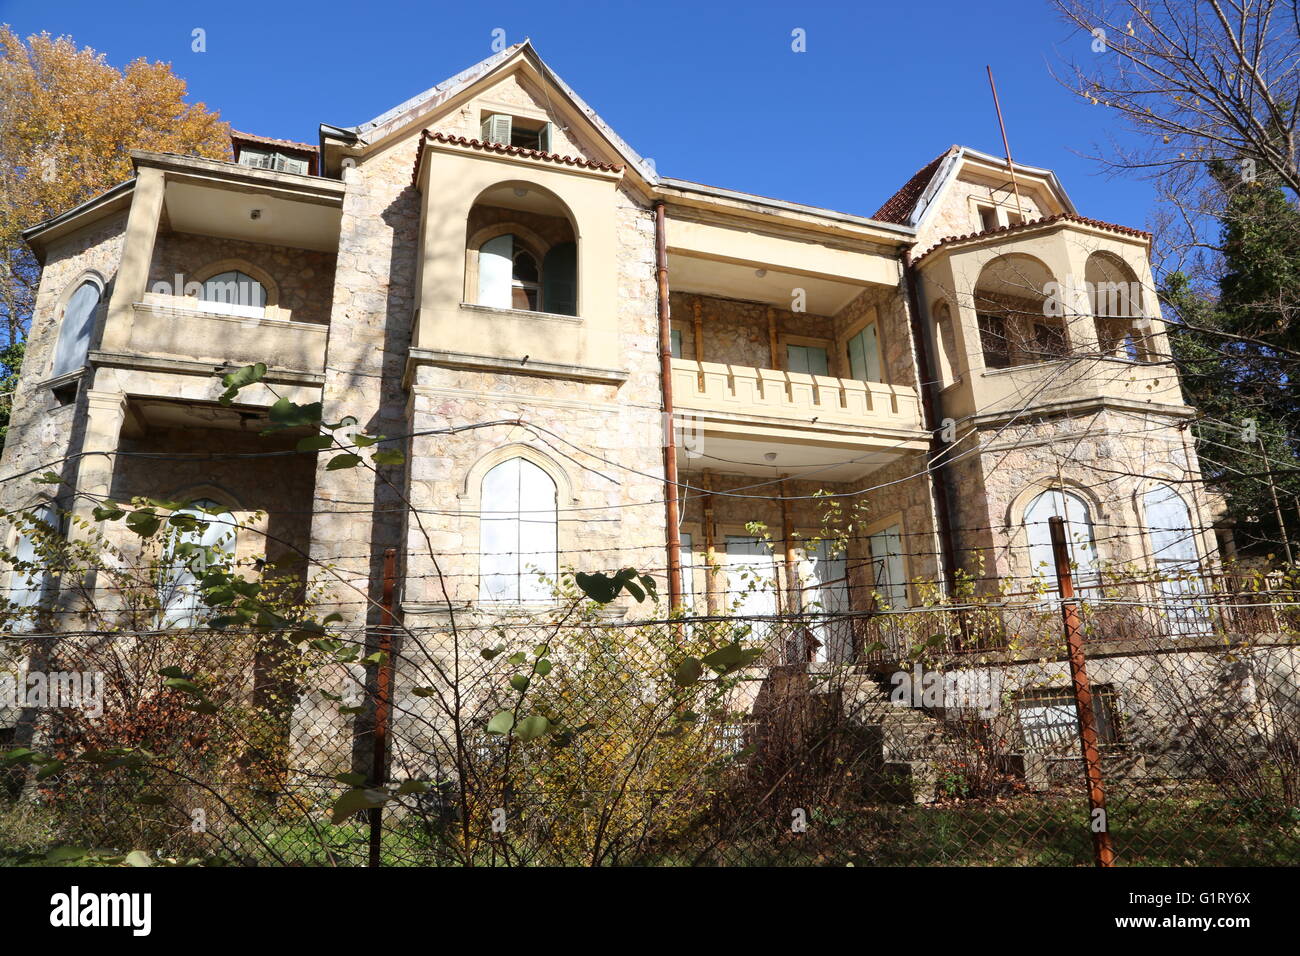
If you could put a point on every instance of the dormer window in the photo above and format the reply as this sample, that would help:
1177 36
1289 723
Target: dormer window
517 131
279 160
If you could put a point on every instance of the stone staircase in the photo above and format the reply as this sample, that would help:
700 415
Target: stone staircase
850 717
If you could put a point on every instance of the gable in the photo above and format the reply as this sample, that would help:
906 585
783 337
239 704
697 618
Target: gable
515 82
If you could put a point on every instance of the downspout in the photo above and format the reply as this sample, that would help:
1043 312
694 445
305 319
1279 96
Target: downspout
672 515
938 447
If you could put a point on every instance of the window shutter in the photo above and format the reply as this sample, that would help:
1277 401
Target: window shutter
544 138
887 564
495 268
796 358
864 356
675 339
560 279
496 128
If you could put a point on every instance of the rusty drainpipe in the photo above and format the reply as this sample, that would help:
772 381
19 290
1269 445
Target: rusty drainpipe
938 447
669 440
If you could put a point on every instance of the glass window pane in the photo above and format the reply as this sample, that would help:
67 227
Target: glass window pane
74 334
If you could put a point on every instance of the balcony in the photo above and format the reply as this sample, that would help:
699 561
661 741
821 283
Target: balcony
181 327
754 420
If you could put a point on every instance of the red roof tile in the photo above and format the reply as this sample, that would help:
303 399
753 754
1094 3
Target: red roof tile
1034 223
517 151
898 207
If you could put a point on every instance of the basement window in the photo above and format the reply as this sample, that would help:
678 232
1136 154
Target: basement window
516 131
1047 719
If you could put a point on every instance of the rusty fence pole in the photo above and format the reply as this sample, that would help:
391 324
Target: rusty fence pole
1103 852
383 701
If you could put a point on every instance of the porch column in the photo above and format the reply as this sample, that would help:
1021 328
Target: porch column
105 413
137 253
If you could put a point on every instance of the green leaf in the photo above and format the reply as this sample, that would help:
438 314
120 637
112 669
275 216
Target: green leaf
502 722
355 800
490 652
240 378
732 657
389 456
519 682
688 671
50 769
107 512
543 667
143 522
138 858
339 462
65 854
530 728
287 414
180 683
412 786
351 779
600 588
315 443
49 478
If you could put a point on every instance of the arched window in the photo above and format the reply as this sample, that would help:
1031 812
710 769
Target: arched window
74 333
1116 298
508 275
1173 548
28 587
1169 522
1078 530
517 531
178 596
235 293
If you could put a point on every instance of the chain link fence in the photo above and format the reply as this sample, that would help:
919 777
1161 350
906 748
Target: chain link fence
930 736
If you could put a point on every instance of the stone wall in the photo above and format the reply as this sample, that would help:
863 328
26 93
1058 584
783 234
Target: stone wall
303 277
44 427
1109 458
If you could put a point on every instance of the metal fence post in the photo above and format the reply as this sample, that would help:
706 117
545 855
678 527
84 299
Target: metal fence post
1103 852
383 699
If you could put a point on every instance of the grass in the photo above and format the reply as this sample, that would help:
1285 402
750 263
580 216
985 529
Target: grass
1148 829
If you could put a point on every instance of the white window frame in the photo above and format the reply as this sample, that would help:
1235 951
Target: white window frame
508 574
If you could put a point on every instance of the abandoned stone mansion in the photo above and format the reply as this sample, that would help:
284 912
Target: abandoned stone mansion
590 364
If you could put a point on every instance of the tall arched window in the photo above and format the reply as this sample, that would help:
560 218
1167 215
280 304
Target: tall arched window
234 292
1173 548
1078 530
74 333
1169 522
517 531
178 596
28 587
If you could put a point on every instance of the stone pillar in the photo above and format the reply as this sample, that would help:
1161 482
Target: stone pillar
105 413
137 253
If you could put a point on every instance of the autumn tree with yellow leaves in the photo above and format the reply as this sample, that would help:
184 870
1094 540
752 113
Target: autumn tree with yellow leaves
68 123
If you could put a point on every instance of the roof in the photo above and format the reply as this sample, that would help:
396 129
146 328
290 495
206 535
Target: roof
314 154
898 207
911 204
508 150
1034 224
375 129
271 141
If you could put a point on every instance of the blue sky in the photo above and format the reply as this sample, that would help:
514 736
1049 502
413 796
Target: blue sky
713 93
